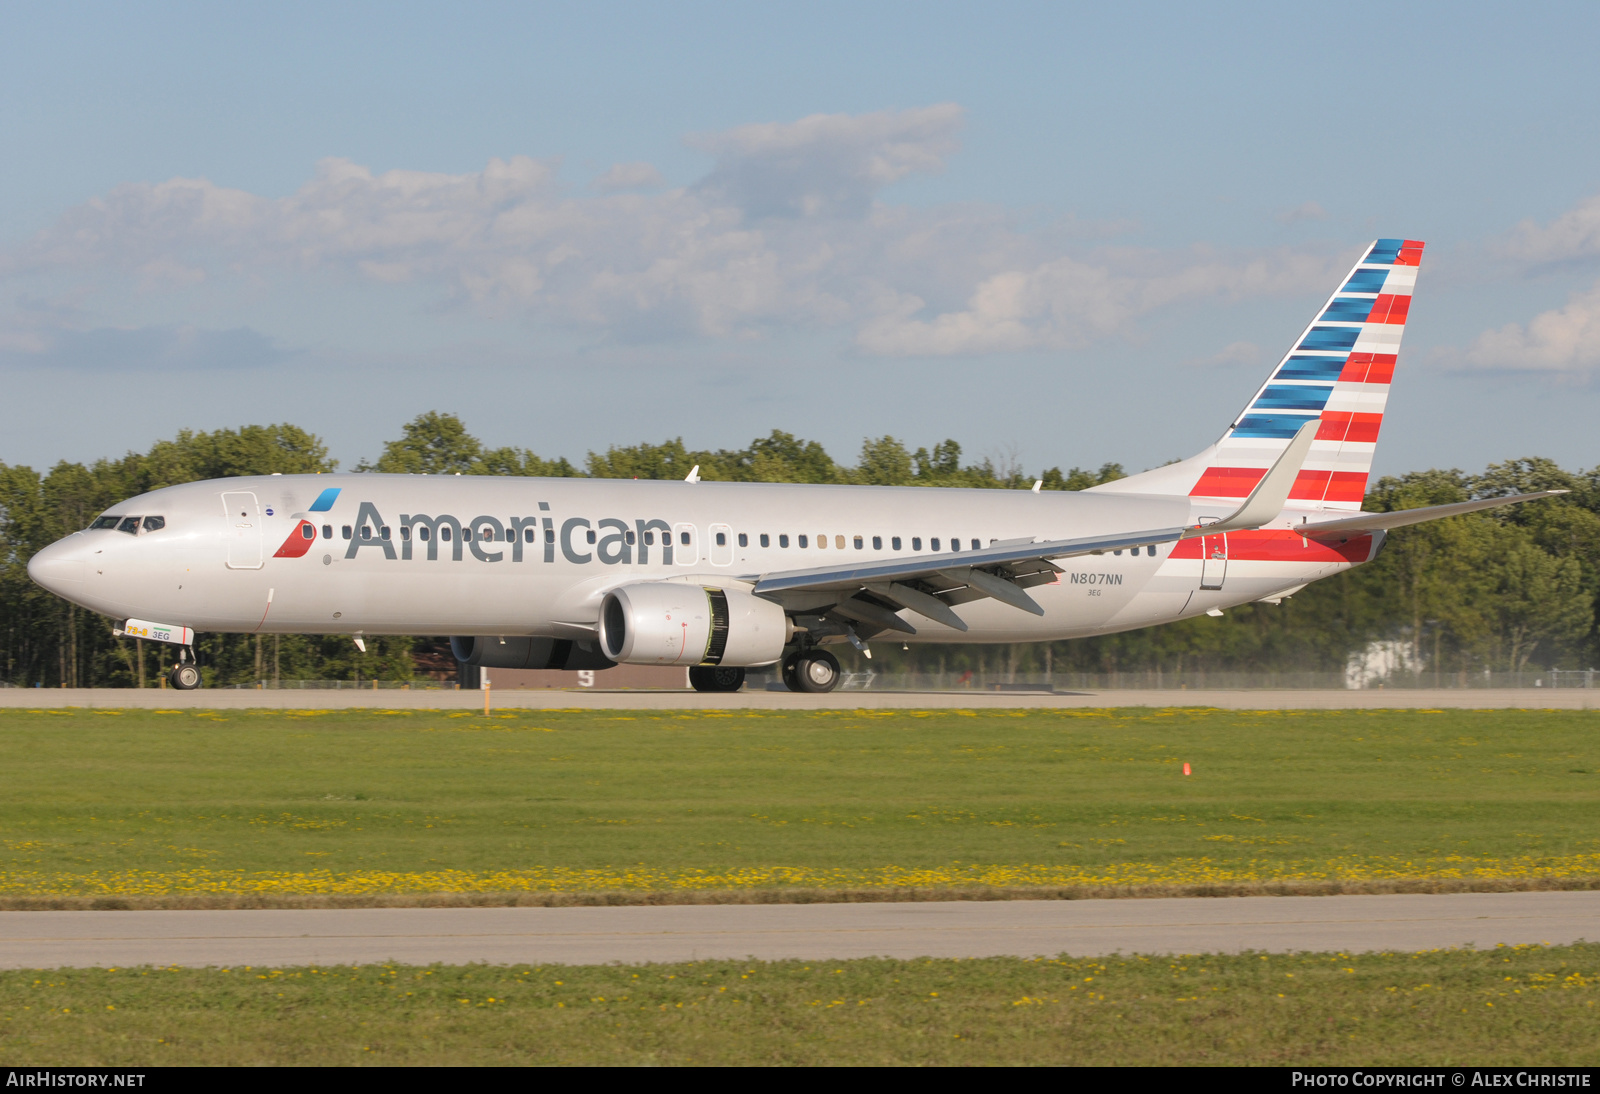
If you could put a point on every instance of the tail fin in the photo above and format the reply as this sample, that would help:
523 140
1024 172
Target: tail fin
1338 372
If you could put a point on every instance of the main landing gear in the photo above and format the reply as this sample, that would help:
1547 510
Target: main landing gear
716 678
185 675
812 670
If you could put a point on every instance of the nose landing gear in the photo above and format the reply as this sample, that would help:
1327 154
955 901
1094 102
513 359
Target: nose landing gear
185 675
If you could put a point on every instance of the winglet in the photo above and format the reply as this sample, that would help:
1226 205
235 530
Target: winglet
1267 499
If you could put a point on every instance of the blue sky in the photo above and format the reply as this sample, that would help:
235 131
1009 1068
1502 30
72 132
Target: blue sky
1060 234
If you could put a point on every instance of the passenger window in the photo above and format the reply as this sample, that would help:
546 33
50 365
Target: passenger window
466 535
783 541
366 531
1117 552
307 531
974 545
916 543
589 536
877 543
766 540
627 537
933 544
549 535
822 543
528 537
444 533
857 542
722 539
345 531
154 524
801 540
129 525
327 532
683 538
744 540
384 531
838 541
649 539
1151 550
895 543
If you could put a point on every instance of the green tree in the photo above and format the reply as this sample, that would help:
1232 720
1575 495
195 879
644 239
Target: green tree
439 444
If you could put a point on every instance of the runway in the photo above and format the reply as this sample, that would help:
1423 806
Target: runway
596 699
583 936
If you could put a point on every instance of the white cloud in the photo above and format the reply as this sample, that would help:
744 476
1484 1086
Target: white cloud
788 229
629 176
1573 236
827 164
1067 302
1308 210
1564 340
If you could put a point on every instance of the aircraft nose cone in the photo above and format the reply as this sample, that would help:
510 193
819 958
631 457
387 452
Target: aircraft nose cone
62 566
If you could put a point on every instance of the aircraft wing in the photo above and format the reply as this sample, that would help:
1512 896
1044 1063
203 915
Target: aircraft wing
929 584
1363 523
873 593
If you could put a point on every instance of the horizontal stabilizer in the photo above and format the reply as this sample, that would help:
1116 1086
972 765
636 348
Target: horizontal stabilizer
1362 523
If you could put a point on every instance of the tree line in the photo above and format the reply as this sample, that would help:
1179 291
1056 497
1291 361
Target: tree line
1510 589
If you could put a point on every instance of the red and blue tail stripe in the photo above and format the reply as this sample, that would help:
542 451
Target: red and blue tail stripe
1338 373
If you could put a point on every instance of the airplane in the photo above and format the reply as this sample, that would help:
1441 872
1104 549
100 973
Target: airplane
723 577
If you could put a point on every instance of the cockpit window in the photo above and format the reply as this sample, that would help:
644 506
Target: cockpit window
129 525
154 524
105 522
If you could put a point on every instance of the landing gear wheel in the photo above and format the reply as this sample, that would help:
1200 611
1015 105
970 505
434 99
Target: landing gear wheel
791 672
184 677
716 678
816 671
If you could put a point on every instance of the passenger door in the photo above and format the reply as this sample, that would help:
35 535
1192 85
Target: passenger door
1213 561
244 530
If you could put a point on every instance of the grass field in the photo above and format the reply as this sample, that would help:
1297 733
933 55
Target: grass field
157 808
1512 1006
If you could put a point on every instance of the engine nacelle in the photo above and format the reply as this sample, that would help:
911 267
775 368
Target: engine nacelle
522 652
676 623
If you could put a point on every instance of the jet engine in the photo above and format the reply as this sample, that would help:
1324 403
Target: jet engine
674 623
514 652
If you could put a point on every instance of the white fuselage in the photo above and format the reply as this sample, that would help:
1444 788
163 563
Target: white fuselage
233 554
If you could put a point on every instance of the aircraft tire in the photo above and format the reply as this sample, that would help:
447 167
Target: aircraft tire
716 678
184 677
791 678
816 671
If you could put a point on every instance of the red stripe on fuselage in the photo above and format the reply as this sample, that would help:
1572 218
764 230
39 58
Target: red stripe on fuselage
1280 546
